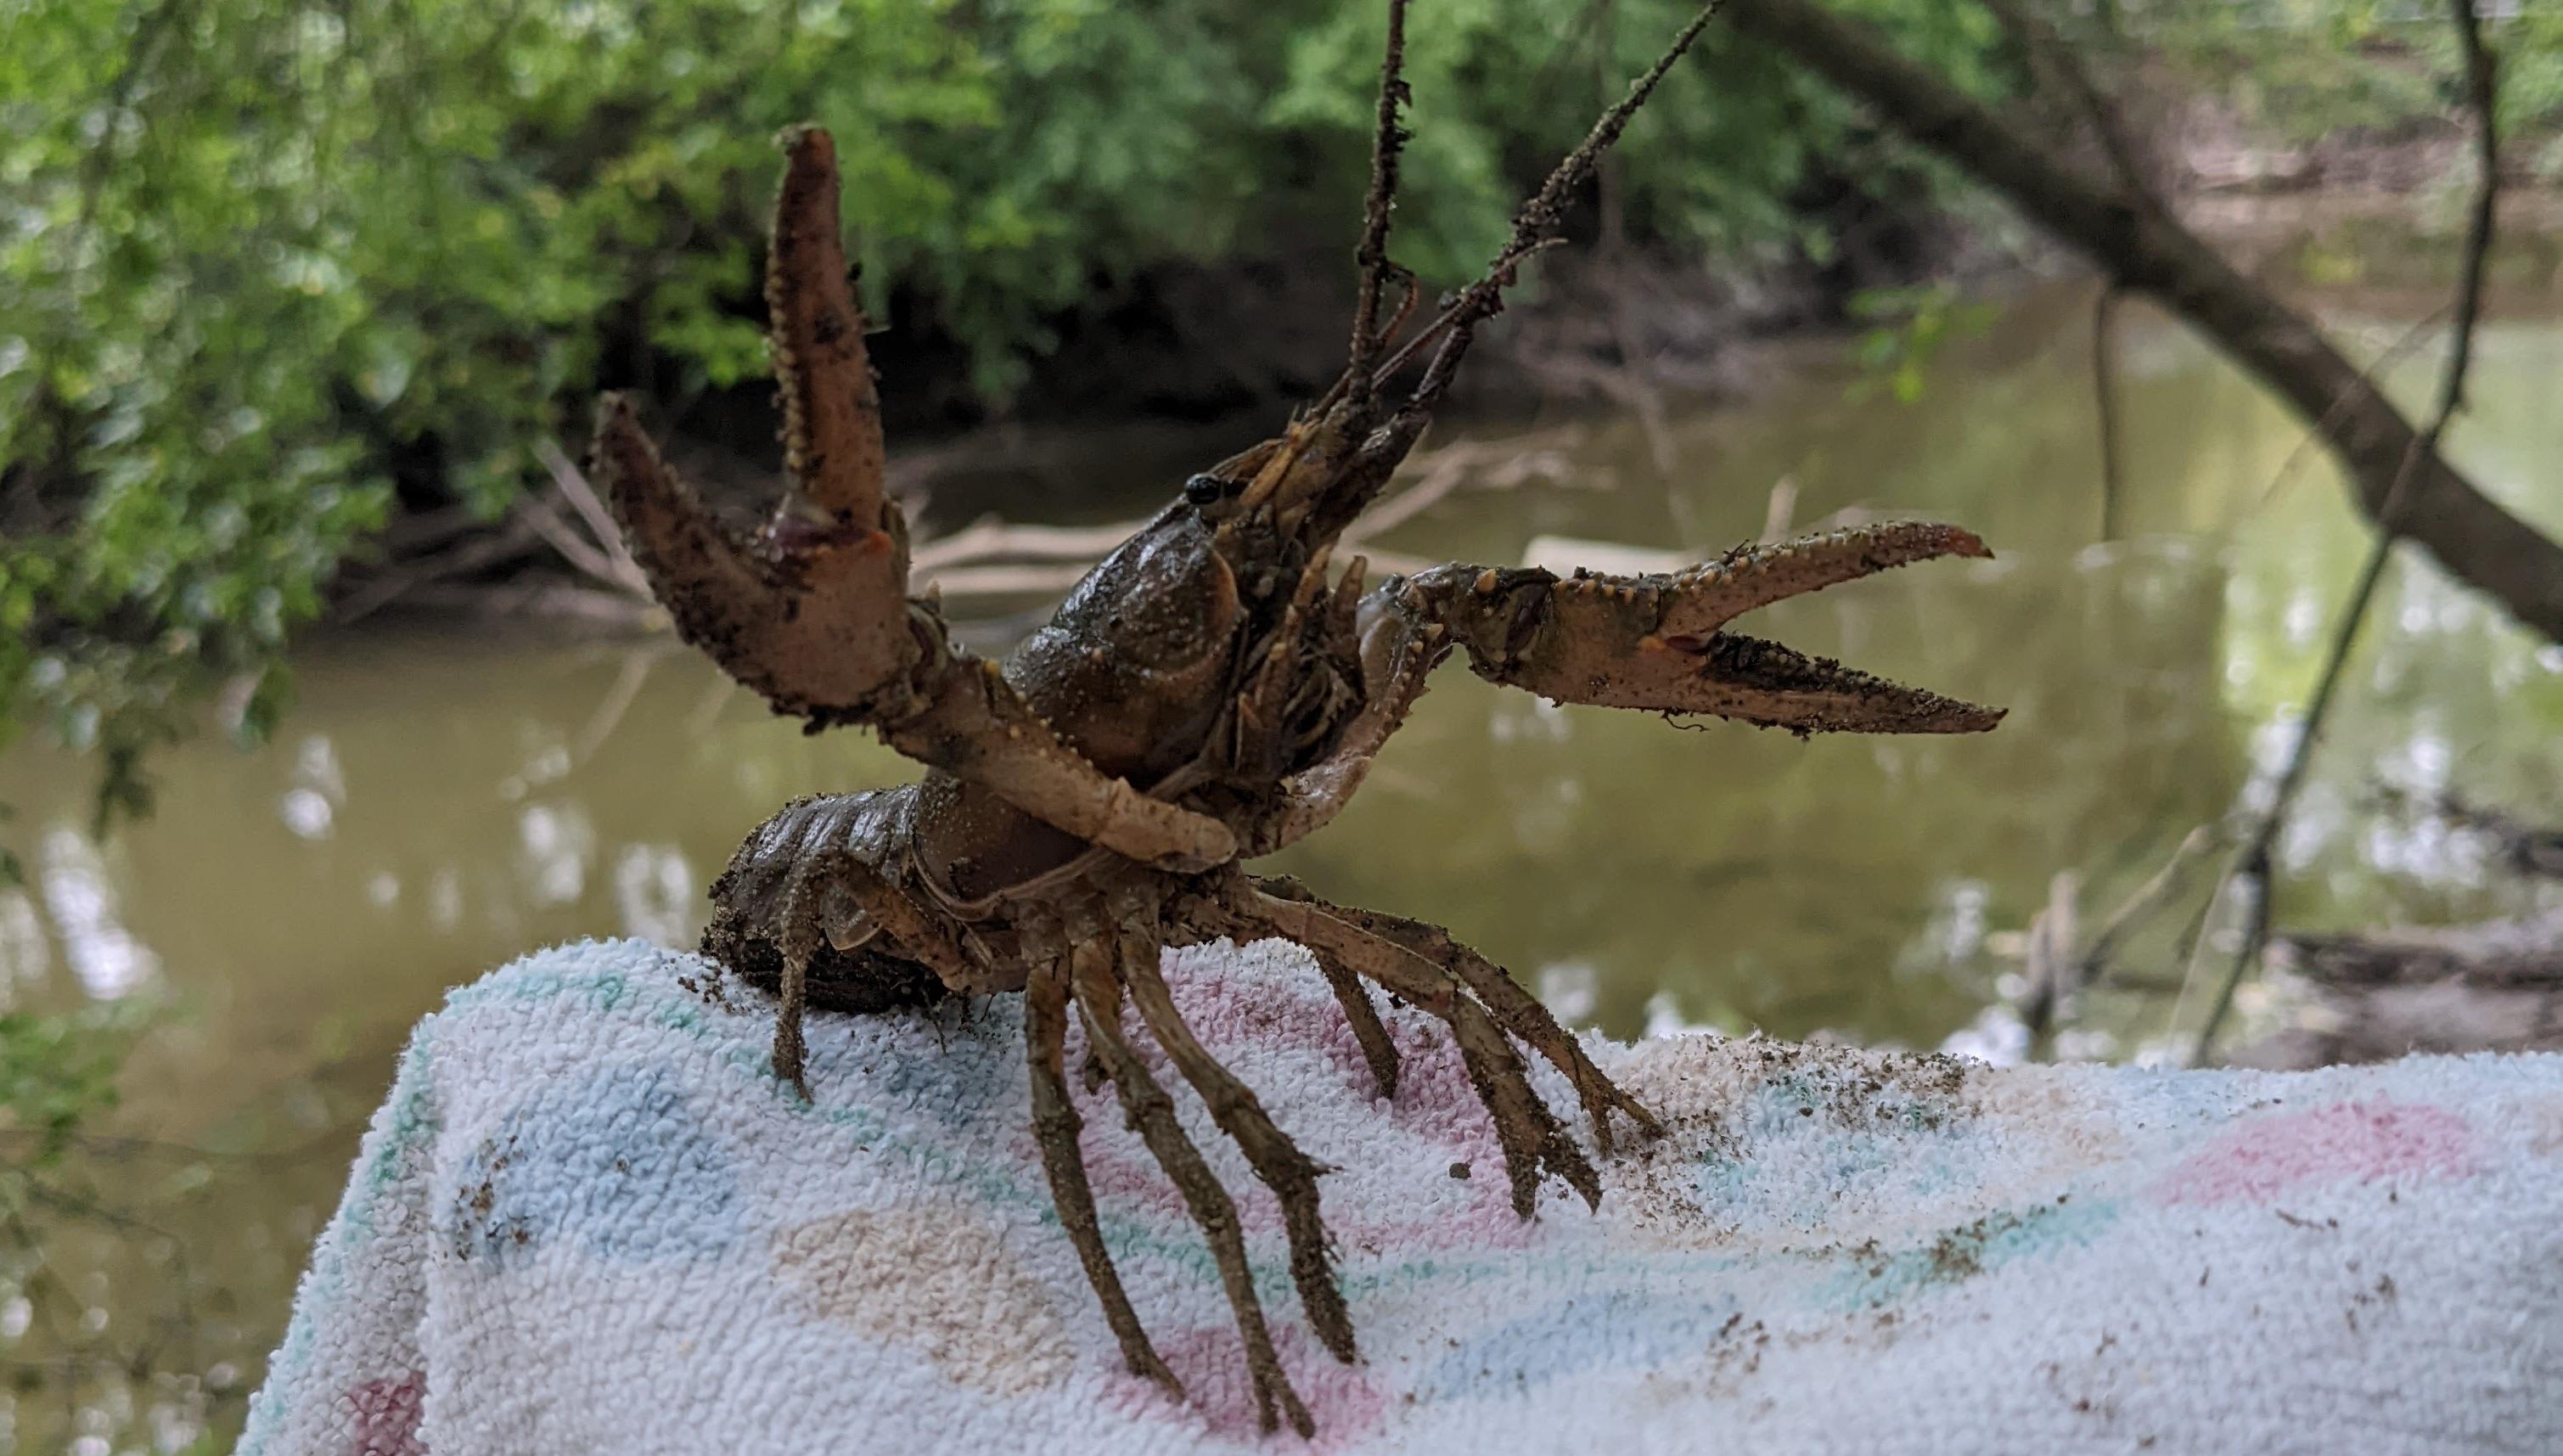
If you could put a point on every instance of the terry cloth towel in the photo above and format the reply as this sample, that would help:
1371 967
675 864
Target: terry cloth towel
589 1219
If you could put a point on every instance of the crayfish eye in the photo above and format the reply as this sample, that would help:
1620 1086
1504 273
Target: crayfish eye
1204 489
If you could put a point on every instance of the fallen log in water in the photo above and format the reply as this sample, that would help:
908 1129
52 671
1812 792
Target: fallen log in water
2495 985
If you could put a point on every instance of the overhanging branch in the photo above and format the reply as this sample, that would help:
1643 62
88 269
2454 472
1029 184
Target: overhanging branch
2473 537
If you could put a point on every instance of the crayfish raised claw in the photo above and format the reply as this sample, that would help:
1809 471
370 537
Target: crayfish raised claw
1211 692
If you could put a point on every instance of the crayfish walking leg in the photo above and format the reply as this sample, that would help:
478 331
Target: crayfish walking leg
1055 1126
1103 964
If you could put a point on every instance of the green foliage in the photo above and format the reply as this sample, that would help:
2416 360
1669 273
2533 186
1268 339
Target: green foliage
57 1071
1907 328
267 265
2304 70
2529 57
264 261
62 1230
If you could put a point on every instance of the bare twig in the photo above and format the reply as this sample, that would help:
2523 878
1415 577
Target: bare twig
2139 907
1445 475
2066 974
413 532
582 497
2253 863
421 578
475 553
1778 510
2104 399
990 558
994 557
1493 464
991 539
2047 960
546 598
2057 57
2482 93
579 553
628 677
2393 354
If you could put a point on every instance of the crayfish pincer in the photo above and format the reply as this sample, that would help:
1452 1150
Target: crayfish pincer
1210 693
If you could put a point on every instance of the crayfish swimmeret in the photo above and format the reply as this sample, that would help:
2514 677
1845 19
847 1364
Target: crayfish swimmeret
1209 694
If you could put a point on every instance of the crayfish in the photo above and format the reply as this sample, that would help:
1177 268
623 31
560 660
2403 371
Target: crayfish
1210 693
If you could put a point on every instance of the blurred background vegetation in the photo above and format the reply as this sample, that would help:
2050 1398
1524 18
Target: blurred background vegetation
302 308
275 272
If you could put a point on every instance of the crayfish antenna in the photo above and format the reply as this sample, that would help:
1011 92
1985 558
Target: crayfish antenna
1540 216
1388 139
1387 441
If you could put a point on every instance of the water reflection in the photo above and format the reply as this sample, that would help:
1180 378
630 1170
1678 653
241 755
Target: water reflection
311 807
554 844
450 800
655 887
105 958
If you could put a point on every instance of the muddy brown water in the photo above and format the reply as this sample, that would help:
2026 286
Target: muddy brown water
441 799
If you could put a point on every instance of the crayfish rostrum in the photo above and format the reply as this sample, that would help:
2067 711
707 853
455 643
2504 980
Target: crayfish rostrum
1210 693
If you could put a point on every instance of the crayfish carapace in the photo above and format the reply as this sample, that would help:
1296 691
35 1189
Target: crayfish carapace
1210 693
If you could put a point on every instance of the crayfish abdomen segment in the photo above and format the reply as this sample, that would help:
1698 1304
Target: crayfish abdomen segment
863 981
790 894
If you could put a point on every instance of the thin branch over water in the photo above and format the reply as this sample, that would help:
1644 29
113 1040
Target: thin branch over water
2253 865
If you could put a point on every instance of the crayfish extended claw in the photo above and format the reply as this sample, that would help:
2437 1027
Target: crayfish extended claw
1656 643
1763 682
811 612
815 629
1759 682
831 424
1707 597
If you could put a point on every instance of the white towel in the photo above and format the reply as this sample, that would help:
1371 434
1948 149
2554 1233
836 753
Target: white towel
588 1220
